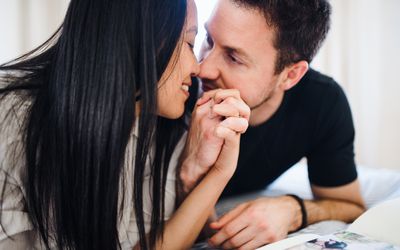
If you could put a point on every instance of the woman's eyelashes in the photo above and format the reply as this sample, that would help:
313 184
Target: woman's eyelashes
191 45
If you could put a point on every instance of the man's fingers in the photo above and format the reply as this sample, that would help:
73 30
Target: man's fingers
225 234
230 136
240 239
238 125
228 216
253 244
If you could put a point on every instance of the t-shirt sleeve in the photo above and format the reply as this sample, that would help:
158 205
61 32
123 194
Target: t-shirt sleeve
331 157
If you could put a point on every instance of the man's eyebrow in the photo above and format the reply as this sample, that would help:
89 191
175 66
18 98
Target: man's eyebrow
231 49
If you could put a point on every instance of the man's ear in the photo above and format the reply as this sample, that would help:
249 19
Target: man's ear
294 73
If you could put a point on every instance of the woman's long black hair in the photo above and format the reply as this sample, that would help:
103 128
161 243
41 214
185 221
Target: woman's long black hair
83 84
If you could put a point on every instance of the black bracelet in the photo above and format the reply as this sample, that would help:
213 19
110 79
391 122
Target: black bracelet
303 210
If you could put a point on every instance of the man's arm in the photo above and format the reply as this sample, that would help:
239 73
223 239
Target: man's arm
340 203
265 220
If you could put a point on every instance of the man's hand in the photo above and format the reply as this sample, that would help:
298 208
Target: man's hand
265 220
256 223
216 108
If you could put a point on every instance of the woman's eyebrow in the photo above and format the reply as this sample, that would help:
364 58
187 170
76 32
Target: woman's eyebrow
192 29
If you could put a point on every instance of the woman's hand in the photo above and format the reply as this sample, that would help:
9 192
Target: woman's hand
220 116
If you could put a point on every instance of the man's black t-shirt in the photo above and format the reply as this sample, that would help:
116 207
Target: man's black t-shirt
313 121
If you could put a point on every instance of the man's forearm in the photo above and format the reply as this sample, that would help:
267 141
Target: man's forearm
329 209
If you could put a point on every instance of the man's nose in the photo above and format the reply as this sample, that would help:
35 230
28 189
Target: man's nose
209 69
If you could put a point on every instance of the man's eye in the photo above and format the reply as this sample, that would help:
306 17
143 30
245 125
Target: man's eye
209 40
233 59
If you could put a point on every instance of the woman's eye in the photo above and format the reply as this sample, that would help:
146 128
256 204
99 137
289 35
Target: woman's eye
191 46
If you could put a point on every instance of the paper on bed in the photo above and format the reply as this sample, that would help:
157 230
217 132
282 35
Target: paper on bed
289 242
378 228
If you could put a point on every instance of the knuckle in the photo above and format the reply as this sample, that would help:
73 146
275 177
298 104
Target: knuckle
248 110
229 101
218 93
236 92
233 242
252 213
273 238
214 108
263 226
229 230
208 136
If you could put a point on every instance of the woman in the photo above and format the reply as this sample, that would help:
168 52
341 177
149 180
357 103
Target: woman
87 135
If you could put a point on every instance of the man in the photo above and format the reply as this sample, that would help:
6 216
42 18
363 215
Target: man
263 49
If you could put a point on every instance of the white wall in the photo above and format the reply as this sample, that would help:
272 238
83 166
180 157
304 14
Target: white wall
361 53
26 24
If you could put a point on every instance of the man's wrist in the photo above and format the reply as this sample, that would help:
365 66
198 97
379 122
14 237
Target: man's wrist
300 218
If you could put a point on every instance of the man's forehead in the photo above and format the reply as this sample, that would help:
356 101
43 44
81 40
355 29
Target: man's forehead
238 27
225 42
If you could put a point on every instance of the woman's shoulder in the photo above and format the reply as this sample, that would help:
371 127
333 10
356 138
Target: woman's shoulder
14 108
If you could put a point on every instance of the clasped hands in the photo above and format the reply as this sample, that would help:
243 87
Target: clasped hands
218 115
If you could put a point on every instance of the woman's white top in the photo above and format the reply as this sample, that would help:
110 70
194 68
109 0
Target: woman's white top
14 218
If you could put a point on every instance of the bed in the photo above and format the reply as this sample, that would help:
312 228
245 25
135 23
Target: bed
377 185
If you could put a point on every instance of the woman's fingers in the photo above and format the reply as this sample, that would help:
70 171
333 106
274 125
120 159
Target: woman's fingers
236 124
222 94
207 96
226 102
232 107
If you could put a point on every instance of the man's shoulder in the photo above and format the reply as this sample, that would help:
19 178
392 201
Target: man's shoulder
315 87
316 80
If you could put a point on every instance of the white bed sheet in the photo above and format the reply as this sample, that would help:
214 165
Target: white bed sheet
377 185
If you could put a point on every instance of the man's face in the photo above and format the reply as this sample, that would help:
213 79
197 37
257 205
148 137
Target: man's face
239 53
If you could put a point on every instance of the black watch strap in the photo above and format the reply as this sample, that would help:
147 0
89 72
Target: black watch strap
303 210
